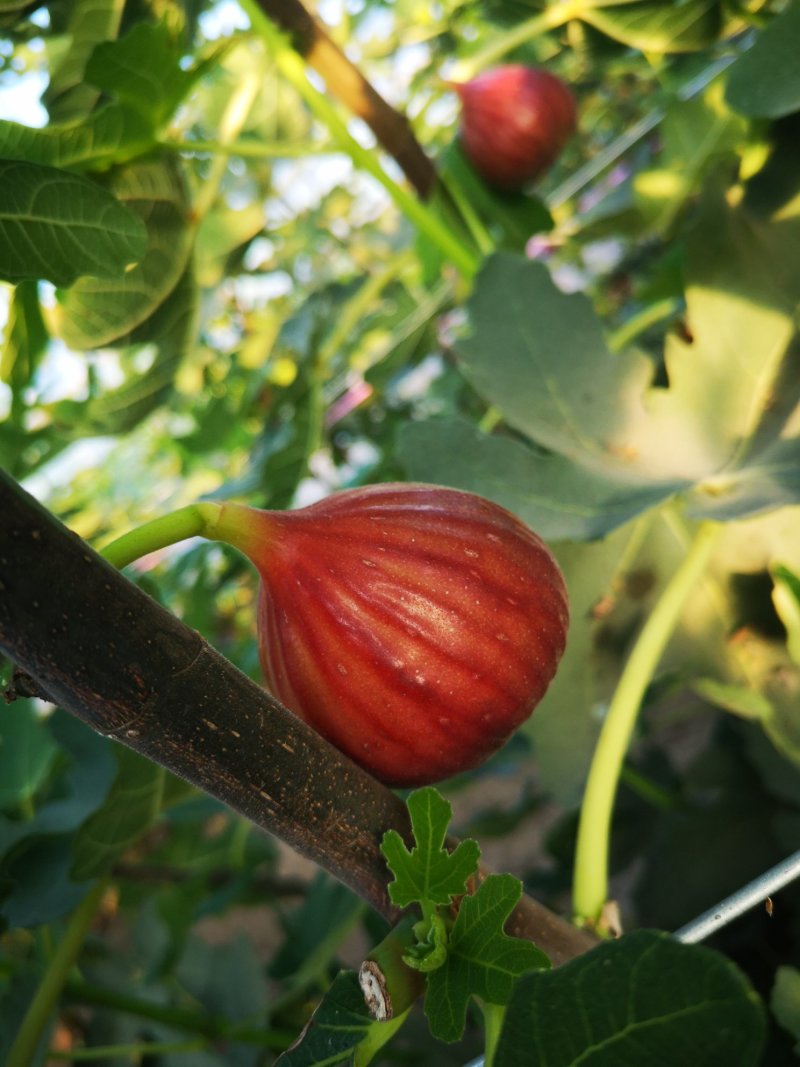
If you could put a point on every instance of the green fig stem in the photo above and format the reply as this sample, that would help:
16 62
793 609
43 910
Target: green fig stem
237 525
196 520
590 880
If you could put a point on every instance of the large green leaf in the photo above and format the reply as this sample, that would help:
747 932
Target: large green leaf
765 81
96 313
695 135
742 289
785 1001
540 357
770 479
132 805
91 21
112 134
143 69
37 884
26 755
656 26
168 335
338 1027
643 999
560 499
61 226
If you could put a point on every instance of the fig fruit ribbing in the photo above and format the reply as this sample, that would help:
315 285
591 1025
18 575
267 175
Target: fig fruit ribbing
414 627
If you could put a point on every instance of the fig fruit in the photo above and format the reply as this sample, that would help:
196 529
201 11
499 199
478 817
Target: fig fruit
414 627
515 121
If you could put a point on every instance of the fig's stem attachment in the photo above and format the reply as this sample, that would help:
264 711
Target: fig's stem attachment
193 521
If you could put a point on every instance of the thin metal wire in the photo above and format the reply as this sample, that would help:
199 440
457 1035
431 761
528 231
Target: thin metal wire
756 892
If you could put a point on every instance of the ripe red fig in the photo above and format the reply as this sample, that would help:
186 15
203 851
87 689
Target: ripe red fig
414 627
515 121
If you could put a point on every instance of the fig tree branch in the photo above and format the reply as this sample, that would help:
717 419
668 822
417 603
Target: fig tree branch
348 85
108 654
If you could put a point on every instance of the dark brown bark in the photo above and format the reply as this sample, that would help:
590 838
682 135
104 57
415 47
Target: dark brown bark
107 653
348 85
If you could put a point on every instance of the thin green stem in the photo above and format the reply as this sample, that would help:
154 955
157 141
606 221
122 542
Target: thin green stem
491 417
244 149
493 1017
590 886
484 241
41 1008
375 1038
135 1052
554 16
231 125
293 69
649 791
641 321
196 520
211 1027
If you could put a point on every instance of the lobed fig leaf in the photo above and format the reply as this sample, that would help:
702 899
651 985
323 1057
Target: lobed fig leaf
428 874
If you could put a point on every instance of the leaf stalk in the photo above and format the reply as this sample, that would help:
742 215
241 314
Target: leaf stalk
40 1010
590 880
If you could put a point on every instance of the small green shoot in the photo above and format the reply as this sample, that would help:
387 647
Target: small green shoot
461 948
